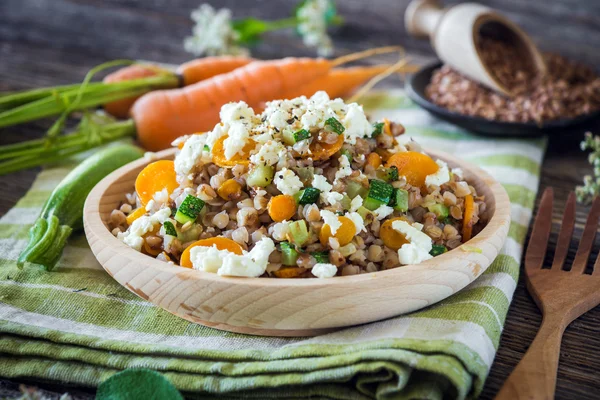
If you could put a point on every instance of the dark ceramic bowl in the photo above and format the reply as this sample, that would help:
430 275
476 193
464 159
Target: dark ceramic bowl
415 87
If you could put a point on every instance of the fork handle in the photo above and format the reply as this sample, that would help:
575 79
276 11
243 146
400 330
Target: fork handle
534 378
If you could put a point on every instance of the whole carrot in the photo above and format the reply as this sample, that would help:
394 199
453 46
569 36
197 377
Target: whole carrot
338 82
164 115
118 91
187 73
160 117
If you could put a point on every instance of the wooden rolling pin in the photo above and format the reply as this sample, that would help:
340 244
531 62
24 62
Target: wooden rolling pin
454 33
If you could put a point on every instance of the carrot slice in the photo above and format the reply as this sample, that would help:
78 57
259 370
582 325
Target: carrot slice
281 207
468 218
222 243
154 178
391 237
242 158
229 190
344 234
151 251
292 272
322 151
387 127
414 166
374 160
135 214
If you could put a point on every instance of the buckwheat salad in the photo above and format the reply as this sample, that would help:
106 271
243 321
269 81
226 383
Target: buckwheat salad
308 188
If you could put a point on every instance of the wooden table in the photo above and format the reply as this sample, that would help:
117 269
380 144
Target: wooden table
55 42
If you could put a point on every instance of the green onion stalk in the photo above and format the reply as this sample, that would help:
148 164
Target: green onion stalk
93 131
19 107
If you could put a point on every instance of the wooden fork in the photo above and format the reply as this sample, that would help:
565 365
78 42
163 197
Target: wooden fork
561 295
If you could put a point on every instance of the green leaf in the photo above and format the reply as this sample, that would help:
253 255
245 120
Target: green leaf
249 30
331 16
377 129
137 384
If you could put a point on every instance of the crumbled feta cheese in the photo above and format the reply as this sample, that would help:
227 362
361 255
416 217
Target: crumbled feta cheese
321 98
223 262
332 198
441 176
133 237
179 196
287 182
320 108
458 172
161 197
359 223
237 137
313 119
320 182
419 246
262 135
411 254
208 258
190 155
356 123
356 203
332 220
167 239
323 270
302 147
383 211
268 154
218 131
150 205
278 119
344 169
327 196
236 111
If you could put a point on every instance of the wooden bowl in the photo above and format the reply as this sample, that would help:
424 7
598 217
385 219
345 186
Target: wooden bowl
291 307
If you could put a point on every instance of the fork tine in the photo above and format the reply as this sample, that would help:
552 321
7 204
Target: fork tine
538 242
587 238
566 231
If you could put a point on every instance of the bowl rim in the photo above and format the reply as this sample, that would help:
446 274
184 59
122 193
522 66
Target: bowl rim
96 229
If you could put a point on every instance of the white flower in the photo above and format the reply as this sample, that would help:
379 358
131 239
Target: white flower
213 33
312 26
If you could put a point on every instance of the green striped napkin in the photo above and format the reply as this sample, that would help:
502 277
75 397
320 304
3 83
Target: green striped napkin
77 325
